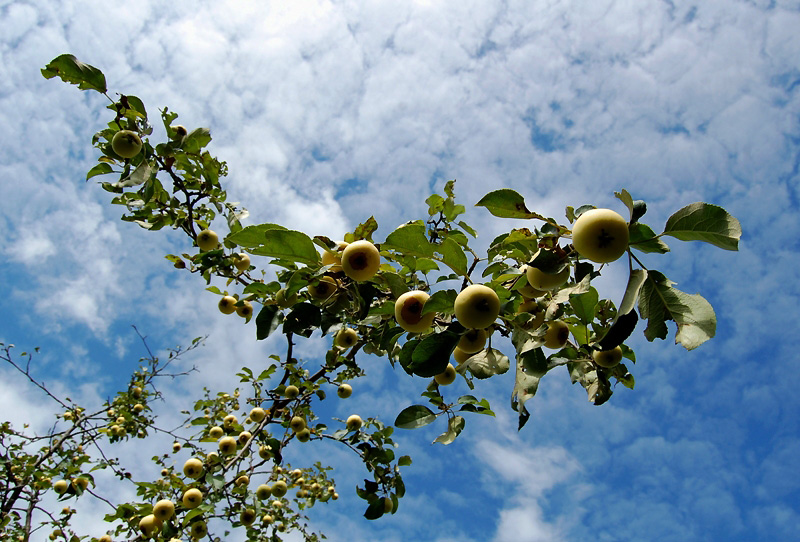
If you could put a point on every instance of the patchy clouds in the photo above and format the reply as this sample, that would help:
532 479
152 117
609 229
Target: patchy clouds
328 112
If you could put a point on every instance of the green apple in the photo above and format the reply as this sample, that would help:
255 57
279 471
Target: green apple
263 492
600 235
242 480
388 505
360 260
198 530
61 487
477 306
258 414
176 447
286 302
297 424
192 498
304 435
447 377
126 143
279 489
408 311
216 432
546 281
291 391
557 334
164 509
247 517
472 341
346 337
244 437
178 131
241 262
607 358
207 240
334 258
323 289
245 310
354 422
344 391
193 468
230 420
227 445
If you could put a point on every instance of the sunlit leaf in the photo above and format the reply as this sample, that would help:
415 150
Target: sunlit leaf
705 222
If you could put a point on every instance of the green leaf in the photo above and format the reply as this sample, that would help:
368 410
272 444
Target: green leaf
584 304
409 239
404 461
441 302
467 228
71 70
533 362
100 169
486 363
643 238
267 321
432 354
453 256
660 302
454 427
283 244
414 417
303 319
705 222
196 140
525 387
252 236
506 203
620 330
366 229
635 281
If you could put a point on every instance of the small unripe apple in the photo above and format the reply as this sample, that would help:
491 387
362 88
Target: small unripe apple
346 337
472 341
304 435
192 498
216 432
447 377
283 301
61 487
138 408
323 289
557 334
245 310
198 530
242 480
600 235
344 390
388 505
408 311
244 437
263 492
81 482
164 509
104 538
267 519
546 281
297 423
176 447
354 422
279 489
126 143
532 307
149 525
193 468
607 358
334 259
241 261
360 260
460 356
207 240
529 291
227 304
258 414
477 306
229 420
247 517
264 452
227 445
291 392
136 391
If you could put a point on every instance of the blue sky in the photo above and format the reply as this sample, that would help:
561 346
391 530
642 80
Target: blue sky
328 112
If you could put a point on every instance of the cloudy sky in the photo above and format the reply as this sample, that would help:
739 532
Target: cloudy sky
329 112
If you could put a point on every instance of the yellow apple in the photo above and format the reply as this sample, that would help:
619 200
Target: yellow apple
600 235
279 489
477 306
334 259
267 519
472 341
227 304
126 143
193 468
460 356
207 240
297 424
346 337
81 482
447 377
149 525
557 335
291 392
104 538
216 432
241 261
263 492
258 414
245 310
408 311
136 391
229 420
244 437
323 289
138 408
264 452
61 487
227 445
360 260
242 480
198 530
532 307
192 498
607 358
247 517
528 290
283 301
546 281
164 509
354 422
179 131
304 435
344 390
176 447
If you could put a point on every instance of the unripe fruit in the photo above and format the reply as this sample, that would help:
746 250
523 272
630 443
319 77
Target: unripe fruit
297 424
283 301
304 435
216 432
354 422
346 337
388 505
344 390
536 310
193 468
104 538
136 391
546 281
258 414
242 480
360 260
176 447
192 498
241 261
247 517
180 131
291 392
126 143
207 240
244 437
323 289
227 445
264 452
198 529
229 420
557 335
334 259
138 408
408 311
61 487
263 492
245 310
81 482
600 235
279 489
472 341
149 525
607 358
477 306
164 509
460 356
447 377
529 291
227 304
